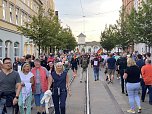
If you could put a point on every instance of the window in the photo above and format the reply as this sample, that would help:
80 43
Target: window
22 15
28 2
16 49
34 7
8 48
25 18
29 19
11 13
1 49
17 16
31 5
4 9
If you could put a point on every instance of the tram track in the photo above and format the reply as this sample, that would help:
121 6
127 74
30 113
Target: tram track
87 92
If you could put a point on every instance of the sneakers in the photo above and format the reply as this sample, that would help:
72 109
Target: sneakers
131 111
139 110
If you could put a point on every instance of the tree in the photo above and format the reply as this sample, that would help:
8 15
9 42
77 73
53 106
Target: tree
46 32
144 20
37 29
108 38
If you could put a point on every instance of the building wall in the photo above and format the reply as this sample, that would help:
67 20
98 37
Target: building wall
48 5
14 13
128 5
81 40
8 40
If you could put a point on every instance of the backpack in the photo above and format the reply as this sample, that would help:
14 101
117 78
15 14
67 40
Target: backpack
84 63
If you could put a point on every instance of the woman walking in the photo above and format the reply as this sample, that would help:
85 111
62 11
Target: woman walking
51 69
60 88
132 77
25 97
74 64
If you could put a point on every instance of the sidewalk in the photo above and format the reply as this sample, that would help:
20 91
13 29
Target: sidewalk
101 99
104 98
107 98
122 99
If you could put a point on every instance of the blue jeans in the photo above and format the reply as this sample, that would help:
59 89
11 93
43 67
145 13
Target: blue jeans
96 73
133 90
37 98
2 102
9 109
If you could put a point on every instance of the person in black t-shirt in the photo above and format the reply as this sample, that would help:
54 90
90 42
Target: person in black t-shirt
122 65
132 77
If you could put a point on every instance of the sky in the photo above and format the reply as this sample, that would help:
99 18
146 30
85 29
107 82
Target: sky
88 16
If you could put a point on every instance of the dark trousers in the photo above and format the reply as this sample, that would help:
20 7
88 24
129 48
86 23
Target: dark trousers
144 90
59 102
150 94
122 80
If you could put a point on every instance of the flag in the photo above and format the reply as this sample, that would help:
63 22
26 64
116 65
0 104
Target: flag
100 51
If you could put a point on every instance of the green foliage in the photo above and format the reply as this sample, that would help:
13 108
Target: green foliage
108 38
144 20
46 32
130 29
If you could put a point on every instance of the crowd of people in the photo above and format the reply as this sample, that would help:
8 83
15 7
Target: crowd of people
134 72
29 78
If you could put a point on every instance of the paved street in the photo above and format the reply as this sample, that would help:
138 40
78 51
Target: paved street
104 98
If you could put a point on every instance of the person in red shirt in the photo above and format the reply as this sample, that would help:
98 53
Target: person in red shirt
147 77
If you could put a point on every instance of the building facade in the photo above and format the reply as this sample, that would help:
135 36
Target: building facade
14 13
87 47
128 5
48 5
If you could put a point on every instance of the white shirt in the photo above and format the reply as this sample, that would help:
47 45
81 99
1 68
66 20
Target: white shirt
26 78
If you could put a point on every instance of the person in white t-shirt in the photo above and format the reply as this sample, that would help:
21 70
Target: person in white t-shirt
25 97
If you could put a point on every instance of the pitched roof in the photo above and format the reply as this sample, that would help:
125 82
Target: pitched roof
81 35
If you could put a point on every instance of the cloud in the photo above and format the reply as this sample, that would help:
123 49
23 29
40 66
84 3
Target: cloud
98 13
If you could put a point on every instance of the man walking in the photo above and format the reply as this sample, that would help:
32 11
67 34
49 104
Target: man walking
10 87
96 64
111 65
147 77
84 65
122 65
17 64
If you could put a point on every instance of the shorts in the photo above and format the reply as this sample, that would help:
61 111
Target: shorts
111 71
37 98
